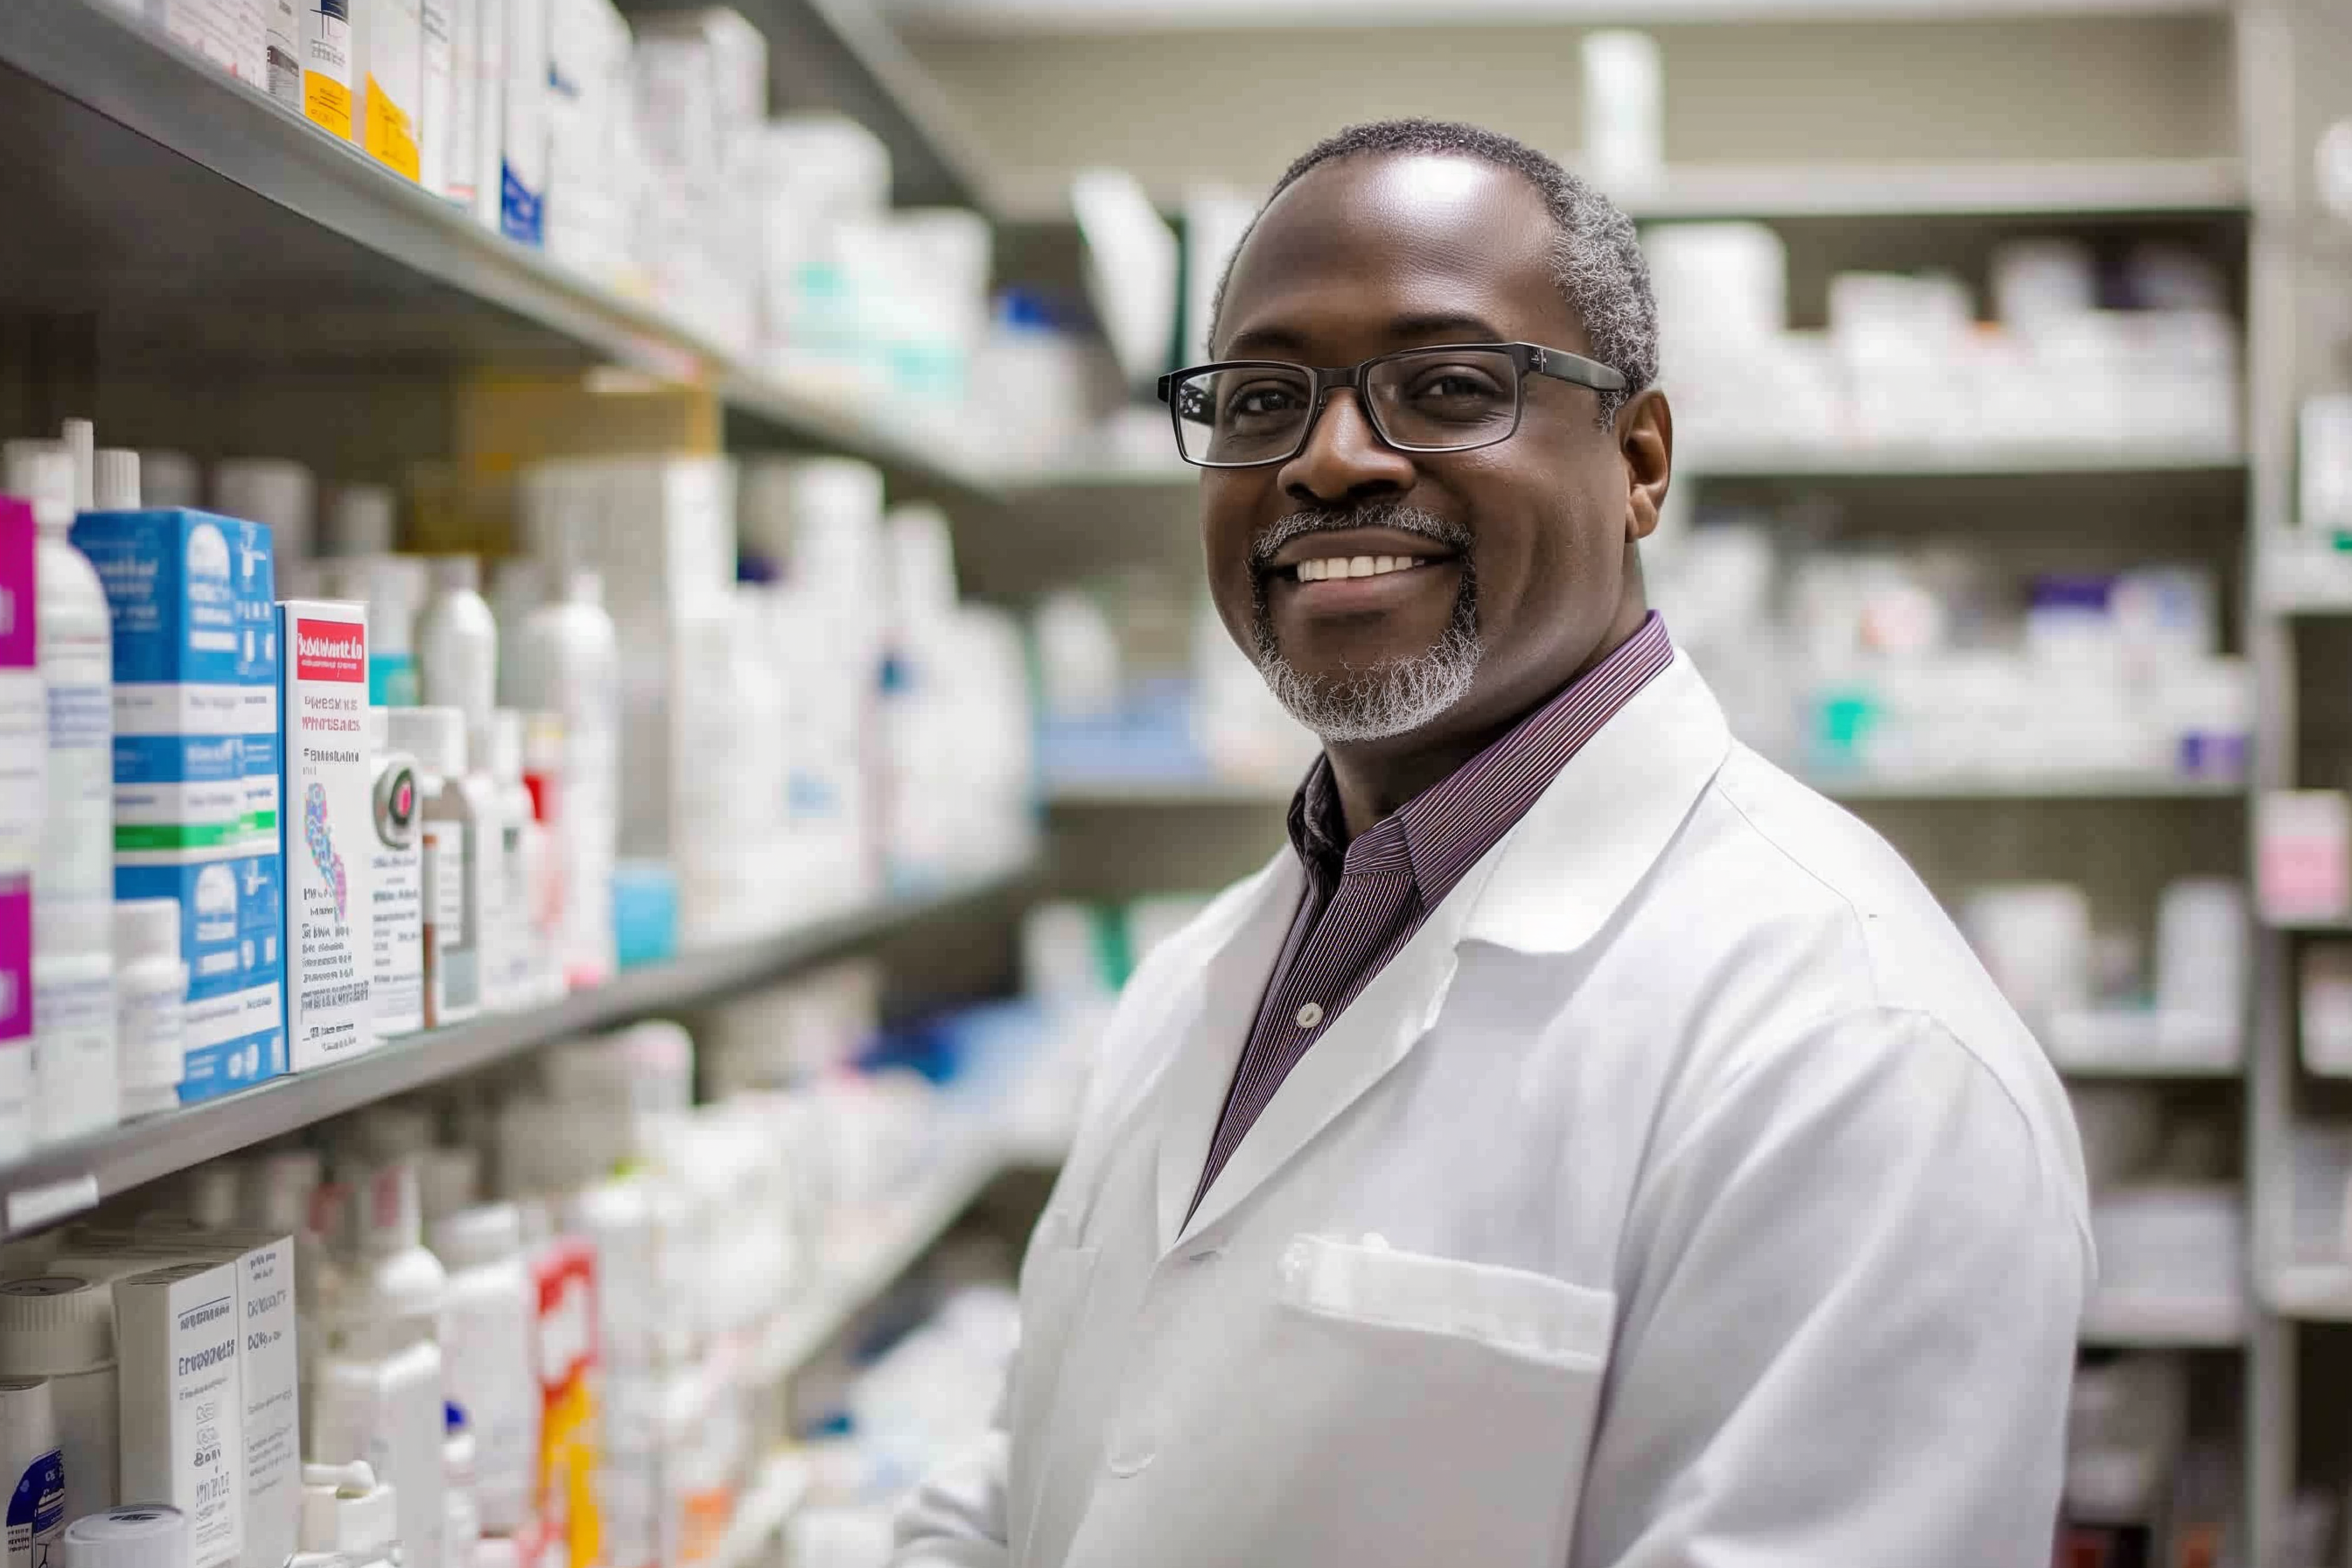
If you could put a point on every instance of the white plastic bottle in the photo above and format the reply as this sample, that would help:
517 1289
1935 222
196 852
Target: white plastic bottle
73 1088
398 867
138 1535
376 1391
457 641
151 998
487 1366
461 1522
33 1470
510 952
277 491
452 815
114 486
61 1327
349 1515
570 667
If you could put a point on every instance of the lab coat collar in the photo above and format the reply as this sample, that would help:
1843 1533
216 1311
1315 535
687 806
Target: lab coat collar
1594 835
1549 886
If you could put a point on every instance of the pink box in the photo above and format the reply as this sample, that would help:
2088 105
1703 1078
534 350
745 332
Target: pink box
24 746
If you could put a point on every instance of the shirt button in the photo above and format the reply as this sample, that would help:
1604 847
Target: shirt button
1311 1015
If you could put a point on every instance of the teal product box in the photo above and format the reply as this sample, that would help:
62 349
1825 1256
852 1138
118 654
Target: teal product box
187 651
175 578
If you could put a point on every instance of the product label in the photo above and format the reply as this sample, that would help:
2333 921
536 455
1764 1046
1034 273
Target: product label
77 846
184 1440
36 1514
73 1050
23 730
284 39
565 1274
452 982
389 133
271 1384
15 962
150 1034
516 870
327 64
330 940
399 971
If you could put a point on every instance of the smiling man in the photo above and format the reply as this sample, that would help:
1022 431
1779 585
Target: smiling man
1581 1145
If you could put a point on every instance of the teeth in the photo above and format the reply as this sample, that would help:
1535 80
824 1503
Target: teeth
1330 566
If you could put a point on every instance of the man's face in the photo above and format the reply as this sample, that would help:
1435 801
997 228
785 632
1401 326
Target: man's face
1518 548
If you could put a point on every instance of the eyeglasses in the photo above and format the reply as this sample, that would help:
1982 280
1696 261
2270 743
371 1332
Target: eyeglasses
1241 414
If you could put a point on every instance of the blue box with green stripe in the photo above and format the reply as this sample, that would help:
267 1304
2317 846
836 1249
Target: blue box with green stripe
195 768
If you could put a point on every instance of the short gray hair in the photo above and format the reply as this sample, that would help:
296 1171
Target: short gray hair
1598 262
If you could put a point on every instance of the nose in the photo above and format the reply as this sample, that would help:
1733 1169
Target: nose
1344 459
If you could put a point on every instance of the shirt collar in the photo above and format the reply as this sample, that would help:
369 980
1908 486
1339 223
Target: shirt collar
1443 831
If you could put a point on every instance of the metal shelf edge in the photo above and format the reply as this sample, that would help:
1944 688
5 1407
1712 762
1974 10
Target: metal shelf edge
53 1182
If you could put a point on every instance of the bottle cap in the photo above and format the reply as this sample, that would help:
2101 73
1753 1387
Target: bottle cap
362 523
146 927
583 585
457 574
345 1508
80 438
138 1535
277 492
212 1193
114 486
28 1411
495 1552
55 1325
42 472
473 1238
435 737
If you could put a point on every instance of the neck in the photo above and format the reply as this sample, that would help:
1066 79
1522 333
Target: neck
1376 778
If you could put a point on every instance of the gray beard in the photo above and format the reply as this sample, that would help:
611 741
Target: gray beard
1381 700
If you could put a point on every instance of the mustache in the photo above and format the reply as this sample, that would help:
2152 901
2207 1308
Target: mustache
1375 514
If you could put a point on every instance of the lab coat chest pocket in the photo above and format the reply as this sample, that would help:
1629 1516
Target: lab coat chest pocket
1449 1403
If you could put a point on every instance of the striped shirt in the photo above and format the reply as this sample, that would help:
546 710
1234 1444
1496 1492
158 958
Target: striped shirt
1364 901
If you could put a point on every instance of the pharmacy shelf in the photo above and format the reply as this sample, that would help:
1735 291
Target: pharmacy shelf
2140 1043
67 1177
892 1242
1189 790
2312 1292
105 126
2124 1323
778 1487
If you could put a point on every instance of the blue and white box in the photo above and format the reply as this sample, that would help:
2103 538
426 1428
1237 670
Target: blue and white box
178 581
258 667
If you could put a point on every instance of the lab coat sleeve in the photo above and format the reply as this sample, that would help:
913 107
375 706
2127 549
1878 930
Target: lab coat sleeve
956 1519
1848 1302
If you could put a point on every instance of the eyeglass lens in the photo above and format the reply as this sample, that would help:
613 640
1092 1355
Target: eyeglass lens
1445 400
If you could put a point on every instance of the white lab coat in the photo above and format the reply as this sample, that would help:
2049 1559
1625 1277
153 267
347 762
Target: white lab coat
1683 1195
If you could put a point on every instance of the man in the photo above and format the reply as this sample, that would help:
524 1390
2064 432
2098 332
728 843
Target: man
1583 1145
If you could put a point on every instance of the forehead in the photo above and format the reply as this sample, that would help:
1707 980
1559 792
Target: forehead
1372 252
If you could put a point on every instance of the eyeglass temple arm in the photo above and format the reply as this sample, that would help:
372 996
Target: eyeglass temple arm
1575 369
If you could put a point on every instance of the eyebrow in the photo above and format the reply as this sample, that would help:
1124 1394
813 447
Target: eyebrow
1457 326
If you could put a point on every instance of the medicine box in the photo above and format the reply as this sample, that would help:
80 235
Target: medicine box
327 831
186 590
177 1341
24 727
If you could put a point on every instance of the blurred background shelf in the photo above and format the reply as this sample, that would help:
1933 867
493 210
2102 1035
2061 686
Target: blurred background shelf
1143 791
2319 1293
2111 1323
65 1178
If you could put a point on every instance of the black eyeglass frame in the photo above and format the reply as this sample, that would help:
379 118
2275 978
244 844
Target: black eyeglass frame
1532 359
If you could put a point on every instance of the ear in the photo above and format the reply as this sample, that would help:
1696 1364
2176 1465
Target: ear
1645 438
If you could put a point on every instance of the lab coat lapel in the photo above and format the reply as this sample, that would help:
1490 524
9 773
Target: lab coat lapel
1204 1035
1371 1035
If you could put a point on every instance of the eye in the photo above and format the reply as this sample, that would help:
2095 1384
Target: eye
1262 400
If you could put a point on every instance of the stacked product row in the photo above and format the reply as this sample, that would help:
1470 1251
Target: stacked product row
574 1371
220 860
643 157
